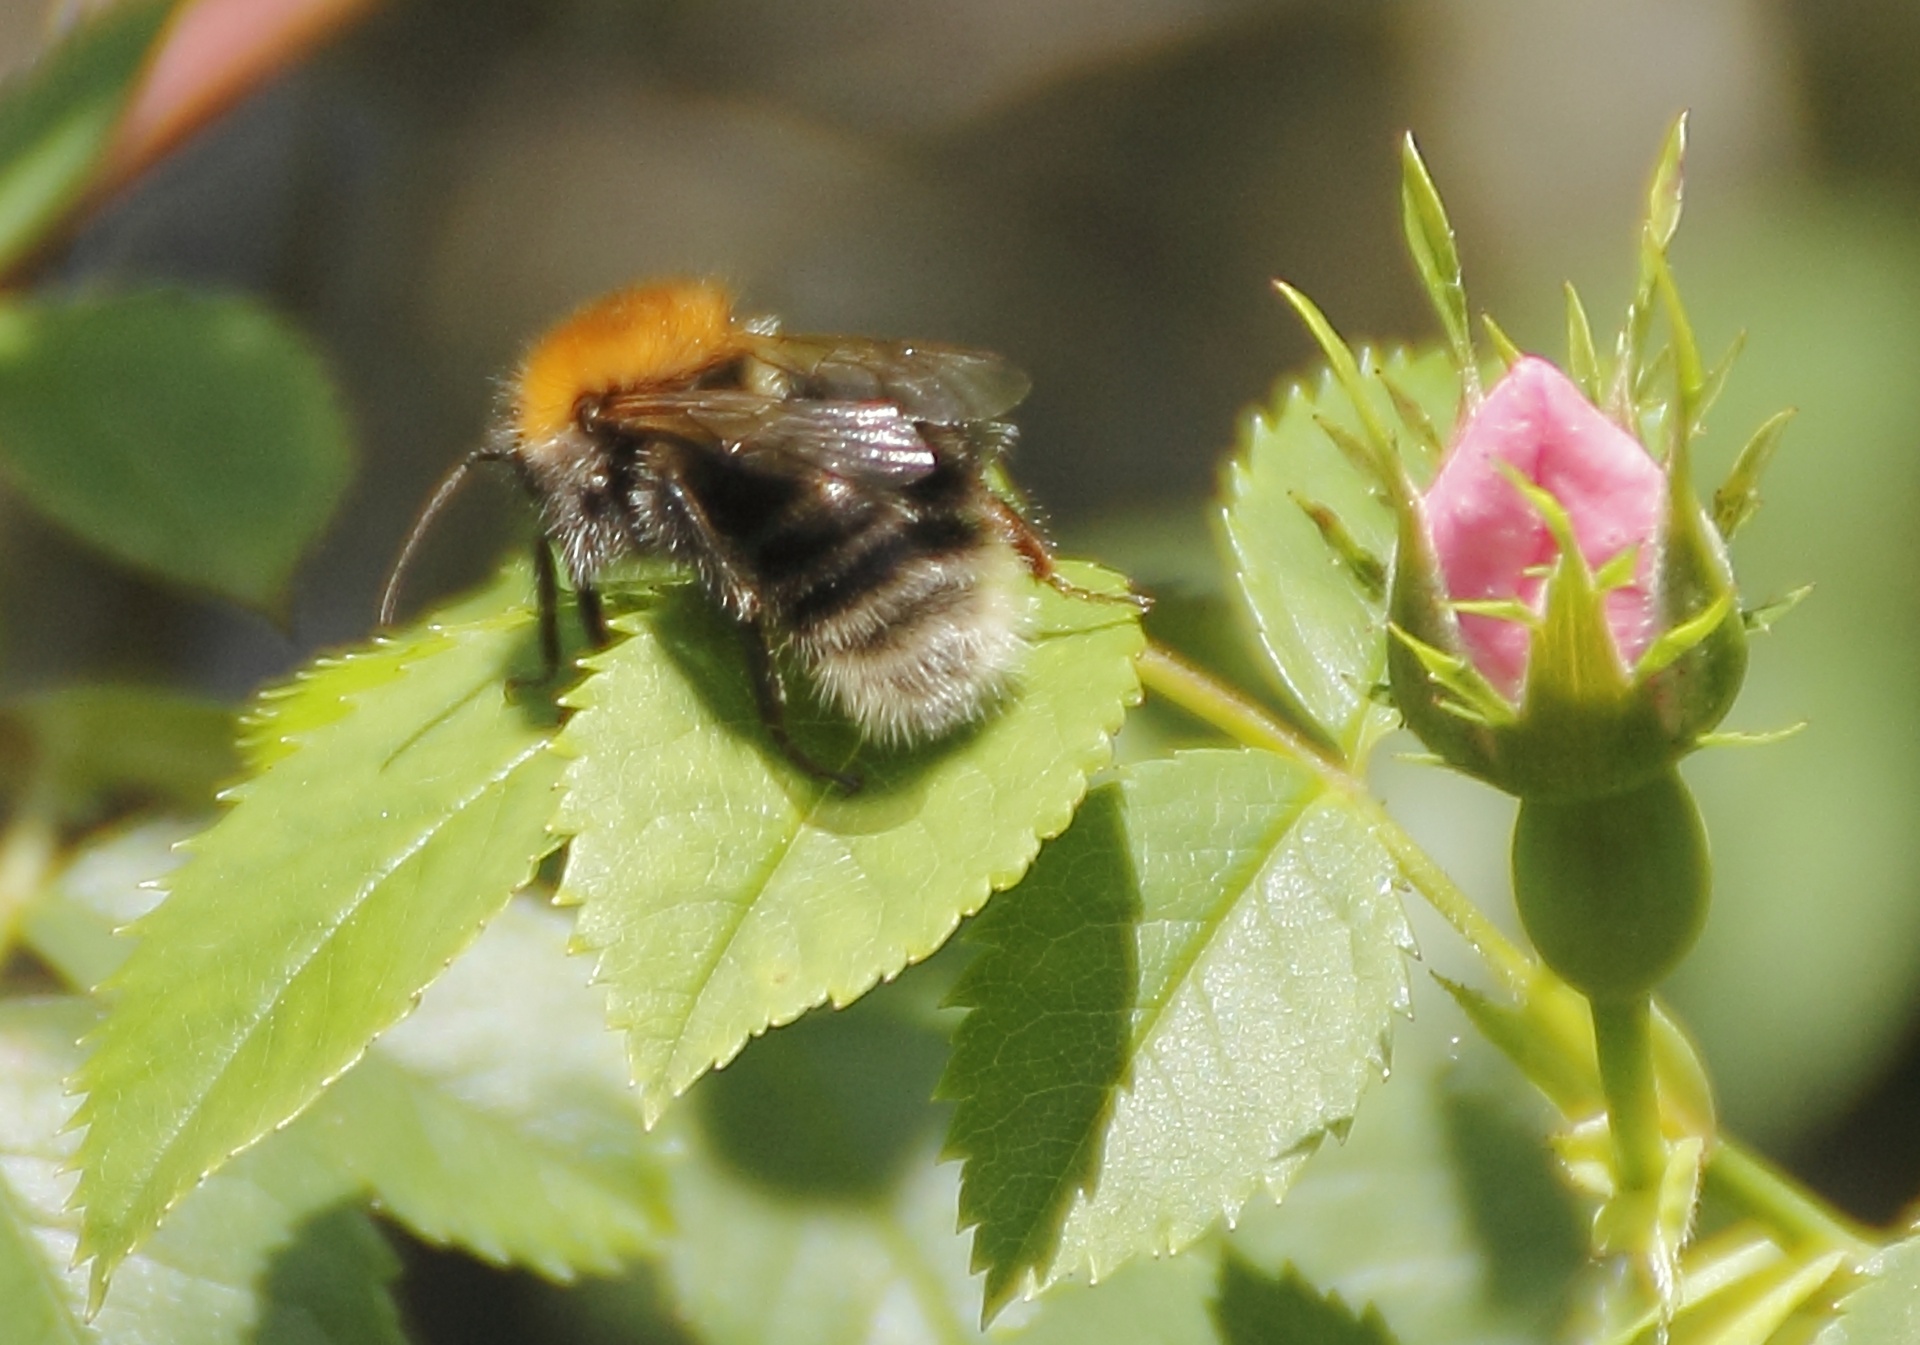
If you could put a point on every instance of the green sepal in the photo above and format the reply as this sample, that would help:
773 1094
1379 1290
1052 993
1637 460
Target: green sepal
1698 687
1352 447
1382 461
1499 609
1763 618
1619 571
1583 364
1414 416
1689 376
1716 382
1665 194
1503 345
1763 738
1430 242
1675 641
1738 498
1664 199
1425 654
1367 569
1453 673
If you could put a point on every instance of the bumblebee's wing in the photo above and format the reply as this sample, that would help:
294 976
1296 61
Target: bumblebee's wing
862 441
944 385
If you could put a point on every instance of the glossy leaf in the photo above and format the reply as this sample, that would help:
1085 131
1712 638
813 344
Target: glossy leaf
724 891
497 1118
1036 1067
309 917
215 459
1323 630
56 118
263 1251
1266 969
1253 1308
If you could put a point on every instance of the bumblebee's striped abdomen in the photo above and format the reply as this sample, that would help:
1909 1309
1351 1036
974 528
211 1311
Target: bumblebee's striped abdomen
900 604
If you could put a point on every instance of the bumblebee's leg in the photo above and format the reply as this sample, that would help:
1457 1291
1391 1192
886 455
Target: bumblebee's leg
592 618
770 690
1033 549
546 589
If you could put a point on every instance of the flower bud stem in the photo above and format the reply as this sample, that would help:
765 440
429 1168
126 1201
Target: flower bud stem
1739 1176
1623 1039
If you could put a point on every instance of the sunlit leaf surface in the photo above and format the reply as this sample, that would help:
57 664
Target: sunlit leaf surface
724 890
398 817
1141 1061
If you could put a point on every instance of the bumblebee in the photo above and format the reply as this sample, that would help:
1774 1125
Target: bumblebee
830 493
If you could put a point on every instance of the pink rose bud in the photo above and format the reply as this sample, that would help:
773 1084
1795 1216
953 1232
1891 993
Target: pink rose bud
1491 541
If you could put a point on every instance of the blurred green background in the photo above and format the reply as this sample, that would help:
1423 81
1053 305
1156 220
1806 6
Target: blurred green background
1101 189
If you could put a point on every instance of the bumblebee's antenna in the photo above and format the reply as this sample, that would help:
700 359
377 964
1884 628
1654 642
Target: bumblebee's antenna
441 494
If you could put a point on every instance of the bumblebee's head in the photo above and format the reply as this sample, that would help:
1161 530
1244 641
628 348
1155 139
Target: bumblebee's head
633 338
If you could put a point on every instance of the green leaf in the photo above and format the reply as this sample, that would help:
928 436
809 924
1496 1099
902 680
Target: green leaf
1038 1063
1266 970
56 119
263 1251
192 436
1323 630
725 891
342 881
1258 1309
497 1117
1886 1309
80 750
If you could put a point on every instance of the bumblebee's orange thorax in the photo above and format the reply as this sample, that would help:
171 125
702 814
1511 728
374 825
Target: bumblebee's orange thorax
633 338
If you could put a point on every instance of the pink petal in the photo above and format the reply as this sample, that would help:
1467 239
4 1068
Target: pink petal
1487 535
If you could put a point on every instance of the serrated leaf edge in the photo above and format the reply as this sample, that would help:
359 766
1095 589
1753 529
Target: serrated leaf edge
1090 758
87 1246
